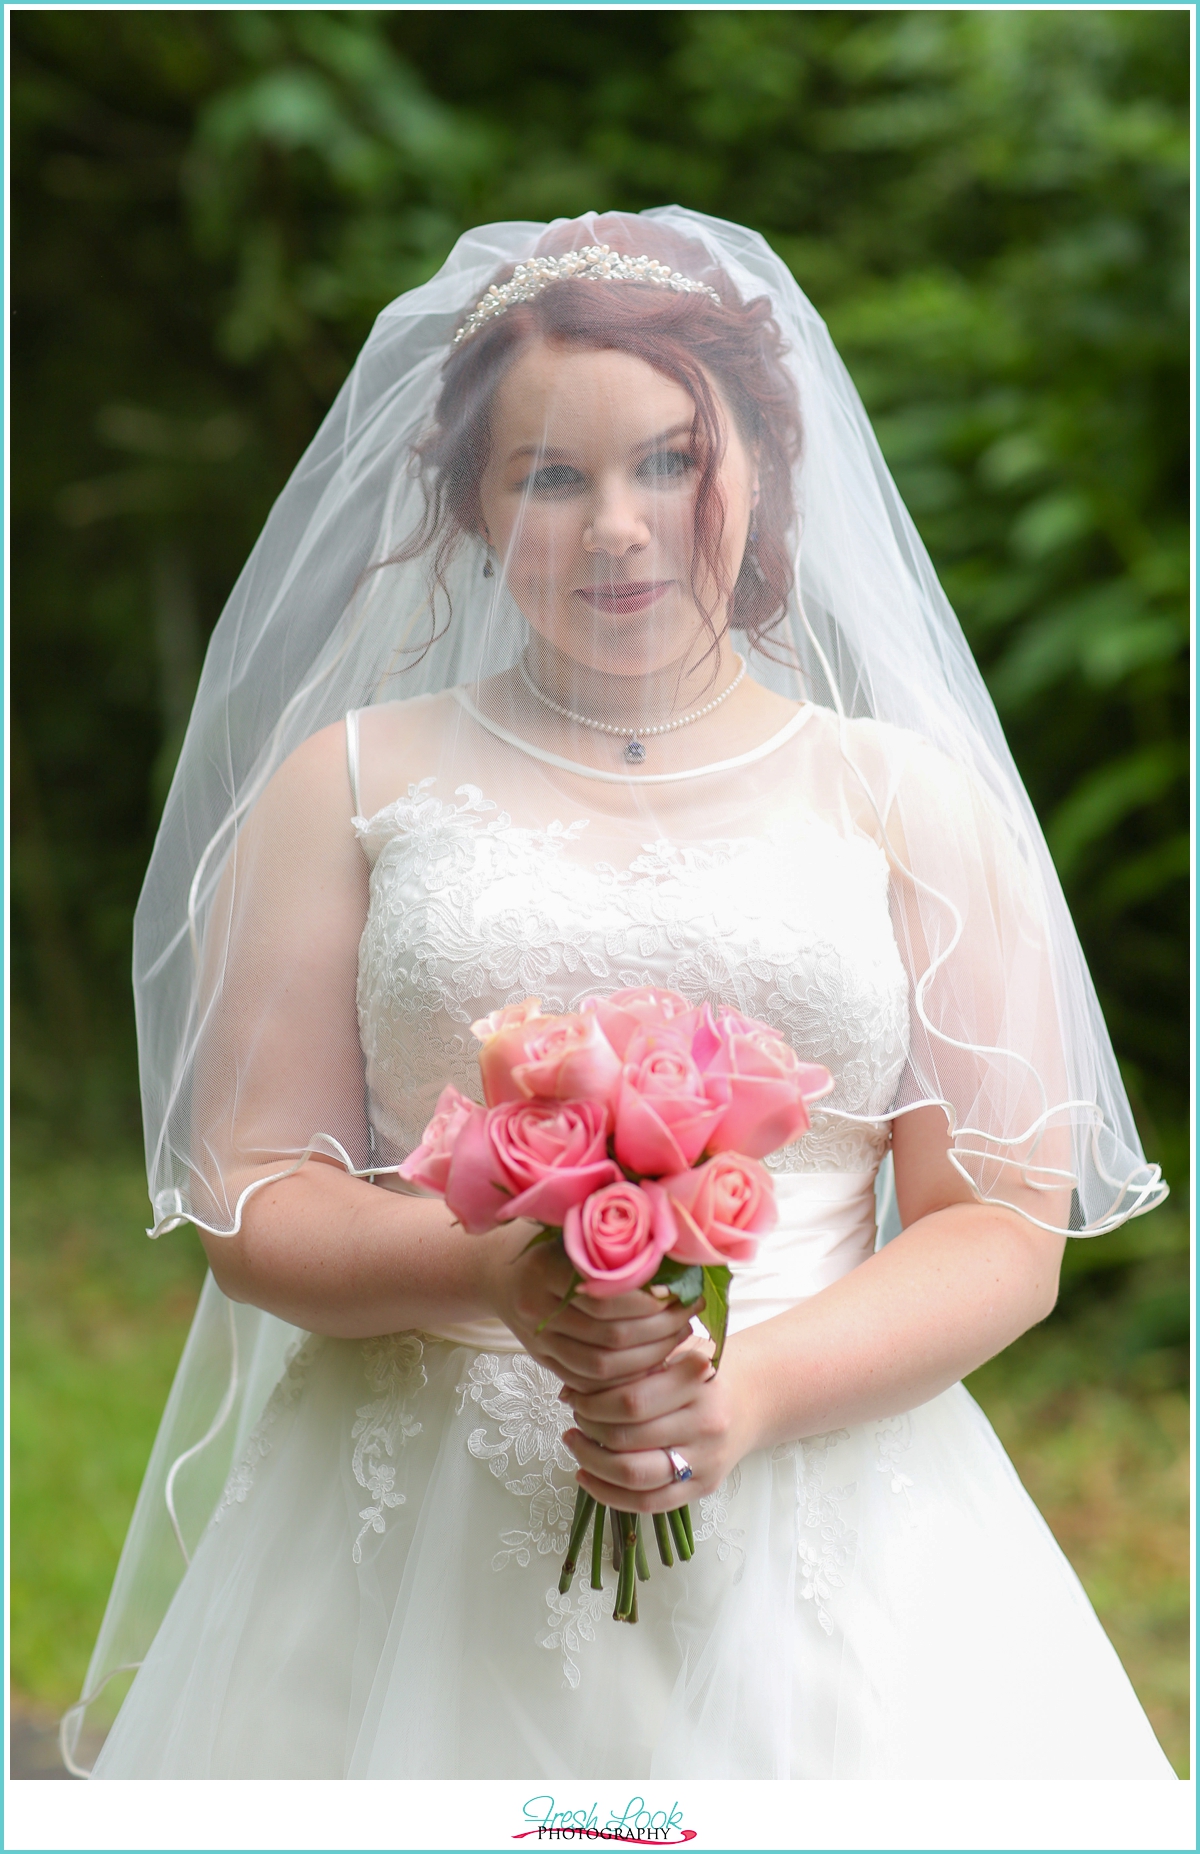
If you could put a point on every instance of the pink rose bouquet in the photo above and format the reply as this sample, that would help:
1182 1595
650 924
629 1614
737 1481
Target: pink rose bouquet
631 1130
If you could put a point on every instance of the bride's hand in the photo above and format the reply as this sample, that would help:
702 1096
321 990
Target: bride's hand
588 1343
624 1430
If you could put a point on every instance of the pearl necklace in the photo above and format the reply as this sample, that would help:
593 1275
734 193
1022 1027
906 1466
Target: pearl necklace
635 751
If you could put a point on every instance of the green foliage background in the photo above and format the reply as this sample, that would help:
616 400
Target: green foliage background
991 210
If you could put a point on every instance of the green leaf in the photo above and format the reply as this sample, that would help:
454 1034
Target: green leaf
715 1313
1111 655
1142 877
549 1233
1100 631
1051 523
685 1279
1102 799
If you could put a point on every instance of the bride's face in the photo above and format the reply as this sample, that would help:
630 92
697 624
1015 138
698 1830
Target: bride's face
589 501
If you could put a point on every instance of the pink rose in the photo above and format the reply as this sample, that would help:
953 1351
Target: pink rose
528 1159
618 1236
568 1058
757 1078
530 1056
720 1210
501 1034
663 1116
623 1013
429 1165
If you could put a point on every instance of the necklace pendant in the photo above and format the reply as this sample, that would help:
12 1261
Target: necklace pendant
635 752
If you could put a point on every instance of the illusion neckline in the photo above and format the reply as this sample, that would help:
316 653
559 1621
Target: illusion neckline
764 747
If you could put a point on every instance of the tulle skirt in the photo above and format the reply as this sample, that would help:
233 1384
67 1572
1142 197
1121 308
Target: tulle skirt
377 1596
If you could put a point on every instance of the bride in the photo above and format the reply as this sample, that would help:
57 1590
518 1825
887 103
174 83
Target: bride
590 650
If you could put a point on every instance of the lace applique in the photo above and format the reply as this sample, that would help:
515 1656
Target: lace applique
831 1543
395 1371
833 1144
521 1397
470 911
893 1438
433 829
572 1620
714 1522
258 1443
524 1401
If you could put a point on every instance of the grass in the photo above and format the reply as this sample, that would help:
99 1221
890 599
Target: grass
1108 1465
1092 1407
99 1316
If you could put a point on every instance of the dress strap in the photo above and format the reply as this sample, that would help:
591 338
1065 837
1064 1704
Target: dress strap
352 758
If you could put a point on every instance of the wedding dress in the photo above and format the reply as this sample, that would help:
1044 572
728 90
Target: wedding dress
376 1594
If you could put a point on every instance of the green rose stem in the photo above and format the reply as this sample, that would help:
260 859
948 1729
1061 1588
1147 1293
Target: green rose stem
679 1534
584 1508
615 1519
686 1515
662 1533
598 1550
626 1579
629 1564
640 1559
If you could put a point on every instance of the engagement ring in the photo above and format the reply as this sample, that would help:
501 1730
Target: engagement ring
680 1466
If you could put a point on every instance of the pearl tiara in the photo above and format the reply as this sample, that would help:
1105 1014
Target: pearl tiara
592 264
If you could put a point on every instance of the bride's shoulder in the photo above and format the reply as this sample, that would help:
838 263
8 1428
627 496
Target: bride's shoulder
399 743
382 748
882 746
889 777
872 747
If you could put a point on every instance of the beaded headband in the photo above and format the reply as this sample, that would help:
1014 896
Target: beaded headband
592 264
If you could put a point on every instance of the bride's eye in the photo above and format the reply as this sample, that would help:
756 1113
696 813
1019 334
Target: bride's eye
667 464
553 479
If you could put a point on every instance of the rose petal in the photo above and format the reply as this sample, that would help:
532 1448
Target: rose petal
761 1117
478 1187
549 1200
506 1018
690 1244
428 1167
641 1140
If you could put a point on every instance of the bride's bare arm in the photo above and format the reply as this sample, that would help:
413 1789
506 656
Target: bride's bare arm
960 1283
336 1255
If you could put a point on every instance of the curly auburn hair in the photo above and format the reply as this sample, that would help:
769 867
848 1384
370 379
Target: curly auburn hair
688 338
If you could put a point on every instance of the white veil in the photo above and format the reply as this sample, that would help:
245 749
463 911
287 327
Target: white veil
333 613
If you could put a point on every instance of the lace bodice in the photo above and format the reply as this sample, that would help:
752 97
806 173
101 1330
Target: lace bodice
469 910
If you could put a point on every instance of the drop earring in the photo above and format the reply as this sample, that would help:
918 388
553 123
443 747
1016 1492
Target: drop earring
752 559
489 571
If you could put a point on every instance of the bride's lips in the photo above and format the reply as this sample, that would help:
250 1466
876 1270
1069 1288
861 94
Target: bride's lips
634 596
